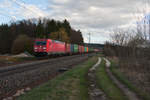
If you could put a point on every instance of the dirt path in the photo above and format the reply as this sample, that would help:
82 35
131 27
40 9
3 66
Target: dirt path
94 92
131 95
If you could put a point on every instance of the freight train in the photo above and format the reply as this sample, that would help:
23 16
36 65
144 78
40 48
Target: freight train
44 47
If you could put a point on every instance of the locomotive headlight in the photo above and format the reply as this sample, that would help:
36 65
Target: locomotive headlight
44 47
35 48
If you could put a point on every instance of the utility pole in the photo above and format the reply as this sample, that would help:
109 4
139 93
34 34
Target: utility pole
149 29
89 42
89 37
145 29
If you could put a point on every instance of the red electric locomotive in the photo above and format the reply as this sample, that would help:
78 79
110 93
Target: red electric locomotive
44 47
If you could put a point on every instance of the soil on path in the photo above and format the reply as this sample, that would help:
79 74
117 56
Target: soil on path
131 95
94 92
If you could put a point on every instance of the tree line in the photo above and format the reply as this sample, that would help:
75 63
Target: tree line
19 36
127 44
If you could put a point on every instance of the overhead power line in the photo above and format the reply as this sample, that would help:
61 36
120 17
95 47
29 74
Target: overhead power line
2 14
25 7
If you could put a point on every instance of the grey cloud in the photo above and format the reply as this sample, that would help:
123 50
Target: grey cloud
96 14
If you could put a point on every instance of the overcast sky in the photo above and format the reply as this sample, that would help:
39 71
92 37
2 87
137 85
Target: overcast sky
97 17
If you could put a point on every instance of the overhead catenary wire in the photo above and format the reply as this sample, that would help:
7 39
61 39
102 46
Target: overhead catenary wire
89 37
2 14
22 4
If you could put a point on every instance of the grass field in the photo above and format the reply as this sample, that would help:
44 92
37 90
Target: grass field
107 85
71 85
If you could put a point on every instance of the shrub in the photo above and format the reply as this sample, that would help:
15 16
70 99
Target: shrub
21 44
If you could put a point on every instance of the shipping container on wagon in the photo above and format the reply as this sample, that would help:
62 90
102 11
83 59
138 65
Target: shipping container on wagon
80 48
85 49
96 50
90 49
76 49
67 47
72 48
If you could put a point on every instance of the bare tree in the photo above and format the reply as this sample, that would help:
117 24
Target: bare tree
143 21
120 37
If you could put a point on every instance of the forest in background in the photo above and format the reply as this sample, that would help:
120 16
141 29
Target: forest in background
17 37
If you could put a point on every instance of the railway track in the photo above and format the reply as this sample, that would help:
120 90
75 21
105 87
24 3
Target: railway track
17 76
10 70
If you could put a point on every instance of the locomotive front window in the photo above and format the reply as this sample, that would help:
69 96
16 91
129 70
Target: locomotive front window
40 42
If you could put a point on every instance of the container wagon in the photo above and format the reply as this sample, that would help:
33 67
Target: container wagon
43 47
76 49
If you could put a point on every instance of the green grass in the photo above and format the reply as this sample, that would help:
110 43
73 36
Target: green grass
125 81
107 85
71 85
